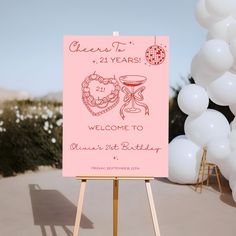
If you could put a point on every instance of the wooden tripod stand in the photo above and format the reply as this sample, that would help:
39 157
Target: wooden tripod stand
115 201
209 168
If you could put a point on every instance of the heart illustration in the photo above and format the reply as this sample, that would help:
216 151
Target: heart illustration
99 94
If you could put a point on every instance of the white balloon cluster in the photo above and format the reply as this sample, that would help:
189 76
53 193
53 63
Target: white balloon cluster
214 72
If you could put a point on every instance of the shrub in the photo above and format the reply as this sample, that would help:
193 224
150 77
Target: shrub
30 136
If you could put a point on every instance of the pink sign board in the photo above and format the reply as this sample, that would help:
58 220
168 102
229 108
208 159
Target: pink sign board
115 103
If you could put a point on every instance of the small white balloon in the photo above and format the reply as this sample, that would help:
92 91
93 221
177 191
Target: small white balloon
219 8
222 91
182 136
216 55
206 127
218 149
215 100
232 140
193 99
228 166
233 124
233 108
202 15
184 161
224 29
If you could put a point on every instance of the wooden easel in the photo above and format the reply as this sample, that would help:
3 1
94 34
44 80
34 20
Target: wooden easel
115 197
115 201
209 167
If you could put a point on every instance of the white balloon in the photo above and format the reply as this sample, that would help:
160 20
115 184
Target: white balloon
218 149
233 108
193 99
215 100
180 137
202 15
184 161
222 91
232 140
224 29
232 47
201 74
216 55
233 124
206 127
228 166
220 8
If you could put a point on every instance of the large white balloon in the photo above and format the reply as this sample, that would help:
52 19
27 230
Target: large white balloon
220 8
233 108
218 149
224 29
201 74
228 166
184 161
204 128
202 15
193 94
232 140
216 55
222 91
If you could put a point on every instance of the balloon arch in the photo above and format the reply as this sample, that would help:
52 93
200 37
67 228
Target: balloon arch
214 73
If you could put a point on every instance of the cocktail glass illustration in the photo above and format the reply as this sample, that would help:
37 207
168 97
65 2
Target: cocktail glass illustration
133 95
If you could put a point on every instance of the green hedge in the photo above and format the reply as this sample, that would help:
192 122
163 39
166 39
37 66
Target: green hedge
30 136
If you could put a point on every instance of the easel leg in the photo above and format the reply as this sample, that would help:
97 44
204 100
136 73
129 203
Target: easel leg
115 206
217 171
152 207
208 175
79 208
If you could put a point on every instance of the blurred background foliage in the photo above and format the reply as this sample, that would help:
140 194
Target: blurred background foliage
30 136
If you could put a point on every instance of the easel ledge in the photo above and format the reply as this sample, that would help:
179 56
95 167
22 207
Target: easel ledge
112 178
115 200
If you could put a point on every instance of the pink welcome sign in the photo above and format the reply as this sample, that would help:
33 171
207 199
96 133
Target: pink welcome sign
115 106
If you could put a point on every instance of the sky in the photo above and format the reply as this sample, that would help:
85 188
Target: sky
31 35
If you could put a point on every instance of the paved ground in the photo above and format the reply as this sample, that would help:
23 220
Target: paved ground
44 204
